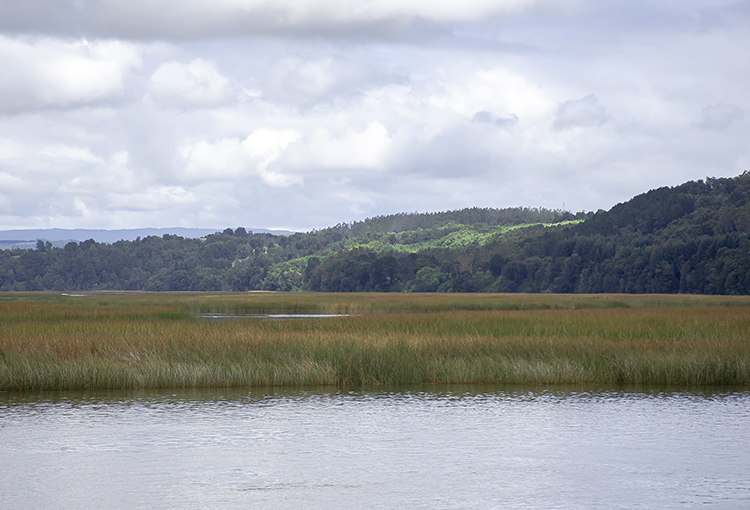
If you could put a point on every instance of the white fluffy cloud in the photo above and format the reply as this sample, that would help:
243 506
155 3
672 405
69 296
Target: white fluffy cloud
41 73
197 84
231 158
499 89
354 150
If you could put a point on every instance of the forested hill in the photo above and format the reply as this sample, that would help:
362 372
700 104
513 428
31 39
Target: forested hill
692 238
396 223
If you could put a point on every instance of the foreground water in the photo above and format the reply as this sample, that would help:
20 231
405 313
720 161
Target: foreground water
468 448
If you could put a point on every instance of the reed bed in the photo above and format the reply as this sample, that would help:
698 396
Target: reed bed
102 341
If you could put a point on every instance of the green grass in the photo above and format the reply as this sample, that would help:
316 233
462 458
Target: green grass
114 341
450 236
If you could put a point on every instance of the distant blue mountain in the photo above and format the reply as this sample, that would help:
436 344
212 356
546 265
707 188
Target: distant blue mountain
27 238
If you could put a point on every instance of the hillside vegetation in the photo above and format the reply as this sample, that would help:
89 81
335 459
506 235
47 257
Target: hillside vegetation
691 238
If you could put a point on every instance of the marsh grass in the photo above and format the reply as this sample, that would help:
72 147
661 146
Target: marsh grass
50 342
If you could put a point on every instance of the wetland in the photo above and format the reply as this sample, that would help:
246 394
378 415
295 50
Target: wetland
323 401
50 341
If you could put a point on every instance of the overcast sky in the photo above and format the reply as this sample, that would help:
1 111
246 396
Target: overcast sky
301 114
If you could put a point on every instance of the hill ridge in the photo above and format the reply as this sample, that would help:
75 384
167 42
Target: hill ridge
690 238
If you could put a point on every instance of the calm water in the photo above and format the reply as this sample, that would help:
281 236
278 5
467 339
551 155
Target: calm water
468 448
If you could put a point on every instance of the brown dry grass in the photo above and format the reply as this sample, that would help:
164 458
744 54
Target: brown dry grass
50 341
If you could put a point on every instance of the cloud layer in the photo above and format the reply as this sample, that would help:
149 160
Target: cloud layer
299 115
50 73
186 19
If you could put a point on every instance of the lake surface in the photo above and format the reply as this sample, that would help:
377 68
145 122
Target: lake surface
414 448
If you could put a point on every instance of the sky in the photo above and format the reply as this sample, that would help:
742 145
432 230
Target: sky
303 114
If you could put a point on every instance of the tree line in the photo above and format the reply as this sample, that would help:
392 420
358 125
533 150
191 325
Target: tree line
692 238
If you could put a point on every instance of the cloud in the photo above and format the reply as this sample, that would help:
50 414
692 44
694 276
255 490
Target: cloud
11 183
307 81
296 80
60 155
66 152
11 149
63 179
218 18
62 74
494 89
231 158
194 85
364 150
153 198
303 114
485 117
720 117
584 112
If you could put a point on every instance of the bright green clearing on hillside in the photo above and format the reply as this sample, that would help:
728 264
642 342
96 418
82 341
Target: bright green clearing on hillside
448 237
289 275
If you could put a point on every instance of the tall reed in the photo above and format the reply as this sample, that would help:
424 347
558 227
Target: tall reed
155 340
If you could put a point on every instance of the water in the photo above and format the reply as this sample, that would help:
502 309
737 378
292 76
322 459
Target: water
270 316
449 448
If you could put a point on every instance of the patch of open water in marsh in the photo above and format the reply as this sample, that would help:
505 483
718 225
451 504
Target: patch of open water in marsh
426 447
269 316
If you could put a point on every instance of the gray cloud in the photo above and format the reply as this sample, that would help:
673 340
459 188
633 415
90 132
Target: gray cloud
720 117
307 81
584 112
485 117
184 19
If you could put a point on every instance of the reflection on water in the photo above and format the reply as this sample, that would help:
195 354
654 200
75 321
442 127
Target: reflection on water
270 316
457 447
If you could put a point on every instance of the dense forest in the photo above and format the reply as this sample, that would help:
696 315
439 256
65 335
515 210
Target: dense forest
691 238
